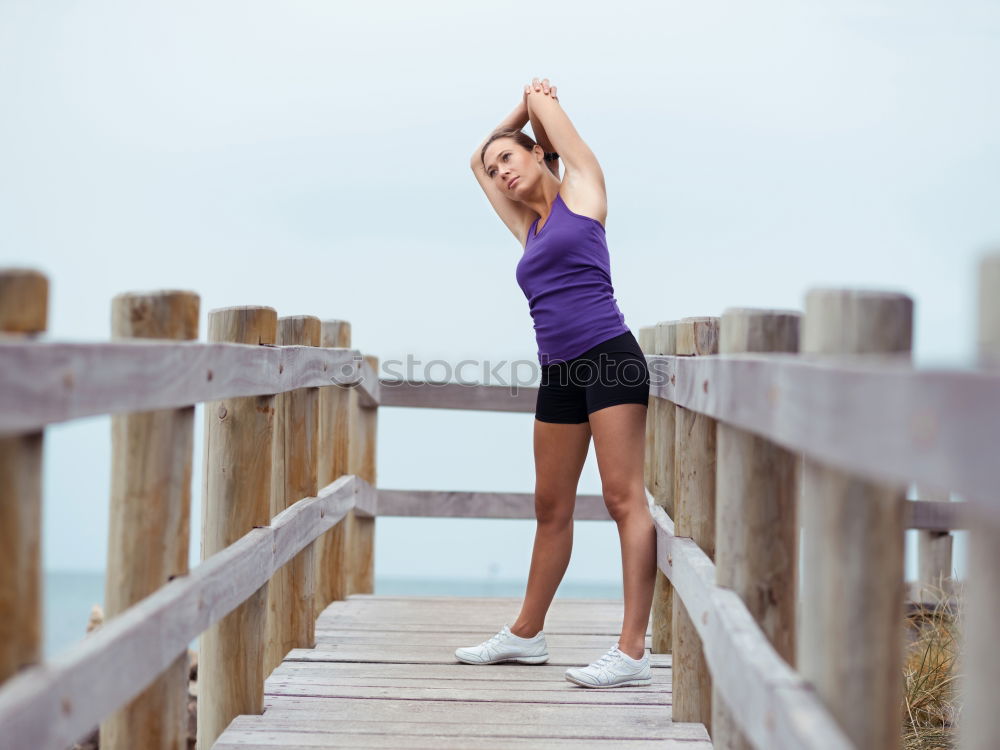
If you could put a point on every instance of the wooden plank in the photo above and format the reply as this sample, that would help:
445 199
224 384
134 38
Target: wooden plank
350 673
460 504
876 417
322 712
417 654
774 707
334 423
270 740
661 420
471 397
52 705
468 723
694 516
980 720
851 628
936 515
42 382
149 527
24 297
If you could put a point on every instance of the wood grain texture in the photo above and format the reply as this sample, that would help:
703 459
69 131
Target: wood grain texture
362 455
646 344
463 504
378 684
852 628
980 723
876 417
239 436
42 382
291 592
150 519
23 313
334 416
429 395
779 710
661 418
694 506
756 520
49 707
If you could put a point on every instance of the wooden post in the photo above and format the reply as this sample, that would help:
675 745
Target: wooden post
661 418
24 304
334 438
934 554
291 591
980 725
646 339
235 499
362 454
149 529
694 517
850 646
756 529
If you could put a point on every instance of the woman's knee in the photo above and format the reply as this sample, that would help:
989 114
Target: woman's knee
622 498
554 507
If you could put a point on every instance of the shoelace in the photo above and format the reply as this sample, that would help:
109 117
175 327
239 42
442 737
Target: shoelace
603 665
491 644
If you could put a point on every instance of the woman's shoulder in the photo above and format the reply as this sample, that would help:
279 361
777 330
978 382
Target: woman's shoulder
584 197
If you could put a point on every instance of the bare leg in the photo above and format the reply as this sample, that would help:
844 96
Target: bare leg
619 438
560 452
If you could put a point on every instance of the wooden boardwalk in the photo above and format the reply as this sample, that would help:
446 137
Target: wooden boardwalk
383 674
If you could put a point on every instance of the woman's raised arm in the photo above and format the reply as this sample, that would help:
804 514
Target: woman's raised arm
572 149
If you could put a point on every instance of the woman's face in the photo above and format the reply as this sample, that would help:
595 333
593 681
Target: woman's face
511 168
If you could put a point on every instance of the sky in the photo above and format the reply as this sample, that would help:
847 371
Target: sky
313 157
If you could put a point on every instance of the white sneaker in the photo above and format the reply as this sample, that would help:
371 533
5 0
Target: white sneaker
614 669
505 646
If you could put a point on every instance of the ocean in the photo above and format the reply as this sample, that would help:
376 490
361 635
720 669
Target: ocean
69 596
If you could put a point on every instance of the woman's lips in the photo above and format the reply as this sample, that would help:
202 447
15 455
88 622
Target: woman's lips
510 186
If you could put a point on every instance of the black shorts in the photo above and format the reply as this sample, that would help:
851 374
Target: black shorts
613 372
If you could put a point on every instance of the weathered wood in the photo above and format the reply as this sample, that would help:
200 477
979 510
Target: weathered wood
44 382
876 417
150 519
236 495
48 707
376 689
694 506
756 527
23 313
647 345
361 463
334 415
980 723
661 418
852 629
778 709
934 548
431 395
291 592
458 504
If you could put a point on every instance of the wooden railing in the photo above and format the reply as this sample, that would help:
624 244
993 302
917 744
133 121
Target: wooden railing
738 443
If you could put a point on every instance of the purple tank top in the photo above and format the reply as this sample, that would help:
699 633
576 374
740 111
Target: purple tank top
565 272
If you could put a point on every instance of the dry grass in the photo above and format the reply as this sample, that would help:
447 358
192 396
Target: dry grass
930 669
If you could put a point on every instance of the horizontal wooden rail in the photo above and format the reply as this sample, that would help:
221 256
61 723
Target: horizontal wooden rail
45 382
50 706
477 397
932 516
872 416
775 707
456 504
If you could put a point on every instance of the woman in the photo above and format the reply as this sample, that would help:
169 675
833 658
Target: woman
594 378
